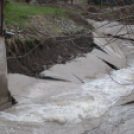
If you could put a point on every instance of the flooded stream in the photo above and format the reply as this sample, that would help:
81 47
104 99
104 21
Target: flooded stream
67 102
91 99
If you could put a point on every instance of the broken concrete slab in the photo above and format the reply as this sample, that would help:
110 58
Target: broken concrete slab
128 49
113 28
29 89
76 71
97 61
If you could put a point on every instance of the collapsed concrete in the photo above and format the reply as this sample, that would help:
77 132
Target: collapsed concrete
97 62
79 105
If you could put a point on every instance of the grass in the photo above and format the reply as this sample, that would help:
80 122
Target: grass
36 20
31 42
16 12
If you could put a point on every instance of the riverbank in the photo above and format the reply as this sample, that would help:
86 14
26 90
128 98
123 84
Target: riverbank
56 106
44 36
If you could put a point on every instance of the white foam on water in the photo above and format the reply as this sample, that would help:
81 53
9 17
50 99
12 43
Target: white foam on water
93 100
104 91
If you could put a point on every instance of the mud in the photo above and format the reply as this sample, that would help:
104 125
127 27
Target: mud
79 20
38 56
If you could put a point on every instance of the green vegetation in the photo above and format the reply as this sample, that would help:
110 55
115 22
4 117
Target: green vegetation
31 42
20 12
38 22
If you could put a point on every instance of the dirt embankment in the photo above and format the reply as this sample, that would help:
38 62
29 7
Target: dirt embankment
32 57
47 40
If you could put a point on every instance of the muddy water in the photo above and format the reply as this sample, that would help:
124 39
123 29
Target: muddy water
48 102
89 100
73 103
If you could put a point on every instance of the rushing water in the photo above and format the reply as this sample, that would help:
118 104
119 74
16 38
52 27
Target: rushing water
92 99
72 102
65 102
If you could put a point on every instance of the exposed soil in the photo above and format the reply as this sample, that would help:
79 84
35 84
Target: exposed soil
46 41
52 25
35 55
49 52
92 9
79 20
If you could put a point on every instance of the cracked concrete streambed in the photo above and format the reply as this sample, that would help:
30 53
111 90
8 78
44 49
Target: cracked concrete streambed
74 106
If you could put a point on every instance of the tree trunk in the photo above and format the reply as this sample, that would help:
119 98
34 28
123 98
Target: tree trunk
71 1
